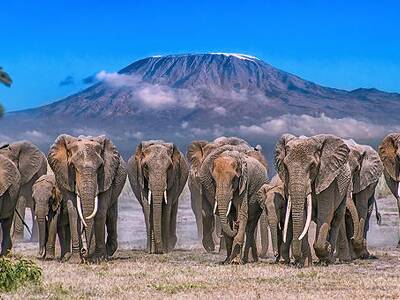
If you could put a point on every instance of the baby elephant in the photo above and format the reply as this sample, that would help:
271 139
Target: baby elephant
52 217
274 204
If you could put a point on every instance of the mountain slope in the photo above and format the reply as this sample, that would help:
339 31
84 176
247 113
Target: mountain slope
184 97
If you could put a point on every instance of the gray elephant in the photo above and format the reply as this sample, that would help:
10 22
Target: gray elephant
366 169
158 172
196 154
231 180
317 179
52 216
90 174
10 183
275 204
32 164
389 152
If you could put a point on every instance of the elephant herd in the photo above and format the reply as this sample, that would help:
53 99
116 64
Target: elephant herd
322 179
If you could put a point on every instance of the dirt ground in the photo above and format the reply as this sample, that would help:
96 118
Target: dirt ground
191 273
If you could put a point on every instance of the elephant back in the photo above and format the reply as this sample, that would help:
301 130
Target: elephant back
10 178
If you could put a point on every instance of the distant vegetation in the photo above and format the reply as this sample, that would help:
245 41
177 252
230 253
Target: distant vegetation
6 80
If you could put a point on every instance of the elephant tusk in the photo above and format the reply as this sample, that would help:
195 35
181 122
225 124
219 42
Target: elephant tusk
165 197
229 208
149 197
79 207
398 190
215 207
47 218
96 204
279 226
308 220
286 224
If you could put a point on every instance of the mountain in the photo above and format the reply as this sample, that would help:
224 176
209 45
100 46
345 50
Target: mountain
201 96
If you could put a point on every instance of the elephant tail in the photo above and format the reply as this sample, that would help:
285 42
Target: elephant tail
377 214
23 222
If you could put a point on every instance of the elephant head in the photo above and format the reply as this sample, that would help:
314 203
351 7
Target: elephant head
307 165
85 166
366 169
275 206
26 156
223 175
389 152
47 201
155 171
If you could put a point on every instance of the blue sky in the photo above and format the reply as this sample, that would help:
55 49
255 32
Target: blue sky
50 46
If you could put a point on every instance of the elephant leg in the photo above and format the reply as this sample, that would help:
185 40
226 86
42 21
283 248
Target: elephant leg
35 232
218 236
208 226
74 255
337 220
172 233
264 234
51 239
361 202
250 240
61 232
195 200
112 235
343 247
305 248
6 243
228 244
166 224
18 234
285 247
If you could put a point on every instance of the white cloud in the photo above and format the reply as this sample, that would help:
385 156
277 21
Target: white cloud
220 110
308 125
184 125
152 96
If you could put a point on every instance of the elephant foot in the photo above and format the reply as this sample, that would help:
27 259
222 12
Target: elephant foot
49 257
398 245
322 263
208 244
235 257
111 247
368 255
299 264
72 258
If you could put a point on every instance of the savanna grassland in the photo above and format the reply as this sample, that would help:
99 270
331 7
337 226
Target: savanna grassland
189 272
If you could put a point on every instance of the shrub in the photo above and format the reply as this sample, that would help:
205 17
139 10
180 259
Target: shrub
16 272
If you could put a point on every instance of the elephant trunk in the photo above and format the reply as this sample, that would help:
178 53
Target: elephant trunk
42 237
157 200
87 203
297 197
223 203
356 223
273 224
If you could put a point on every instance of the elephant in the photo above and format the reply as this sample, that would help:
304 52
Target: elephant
158 172
274 204
389 152
316 177
52 217
10 184
366 169
196 153
90 174
230 181
32 164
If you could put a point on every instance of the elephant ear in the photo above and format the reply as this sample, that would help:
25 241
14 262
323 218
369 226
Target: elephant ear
135 173
58 160
334 155
111 159
195 155
280 154
180 168
371 169
30 159
243 175
10 178
388 154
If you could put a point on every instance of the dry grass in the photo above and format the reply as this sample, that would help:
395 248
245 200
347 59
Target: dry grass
135 274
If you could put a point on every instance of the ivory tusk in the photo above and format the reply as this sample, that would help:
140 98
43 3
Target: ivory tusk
79 207
47 218
308 220
215 207
398 190
96 204
286 224
149 197
165 197
229 208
